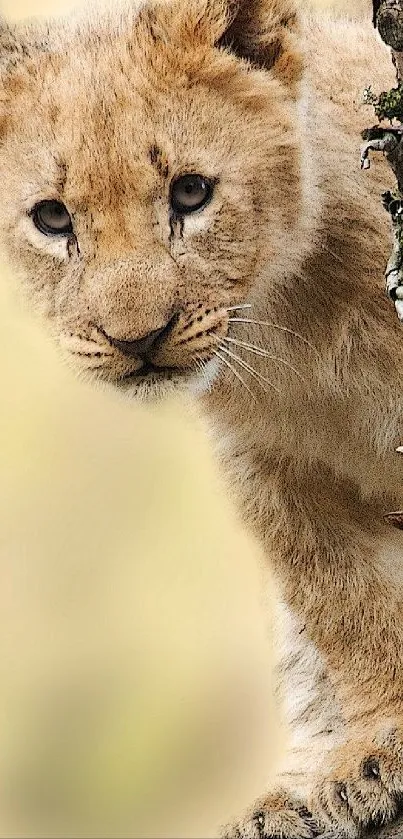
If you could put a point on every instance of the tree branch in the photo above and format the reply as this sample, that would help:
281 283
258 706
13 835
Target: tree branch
388 18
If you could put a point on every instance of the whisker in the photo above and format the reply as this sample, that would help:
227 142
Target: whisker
200 367
249 369
332 253
276 326
262 352
243 306
235 372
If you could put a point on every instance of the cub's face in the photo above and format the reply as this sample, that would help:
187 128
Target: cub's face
149 173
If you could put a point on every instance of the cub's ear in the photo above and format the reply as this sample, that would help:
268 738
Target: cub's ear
266 33
11 50
19 42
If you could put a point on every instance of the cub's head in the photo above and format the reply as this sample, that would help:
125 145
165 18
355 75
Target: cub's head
150 170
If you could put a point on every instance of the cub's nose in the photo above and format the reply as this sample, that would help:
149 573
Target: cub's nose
142 346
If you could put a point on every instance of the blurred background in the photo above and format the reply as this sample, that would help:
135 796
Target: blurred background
135 663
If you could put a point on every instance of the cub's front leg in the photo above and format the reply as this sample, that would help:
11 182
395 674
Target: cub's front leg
315 727
338 568
362 786
275 815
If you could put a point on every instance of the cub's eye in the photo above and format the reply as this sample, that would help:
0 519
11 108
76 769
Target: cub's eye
190 193
52 218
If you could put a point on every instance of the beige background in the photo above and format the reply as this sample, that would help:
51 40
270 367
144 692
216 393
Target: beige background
135 644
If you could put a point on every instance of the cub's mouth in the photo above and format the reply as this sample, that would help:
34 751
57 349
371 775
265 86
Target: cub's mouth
181 354
150 370
150 374
155 382
151 382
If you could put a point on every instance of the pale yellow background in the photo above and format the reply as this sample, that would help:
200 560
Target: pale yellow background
135 645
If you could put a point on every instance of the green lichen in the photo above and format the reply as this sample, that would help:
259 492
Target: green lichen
388 105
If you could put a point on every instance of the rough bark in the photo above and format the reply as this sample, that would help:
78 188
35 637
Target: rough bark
388 18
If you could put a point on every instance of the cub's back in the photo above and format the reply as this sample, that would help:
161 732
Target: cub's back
344 56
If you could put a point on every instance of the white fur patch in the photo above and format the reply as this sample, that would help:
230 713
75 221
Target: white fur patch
55 246
309 705
202 382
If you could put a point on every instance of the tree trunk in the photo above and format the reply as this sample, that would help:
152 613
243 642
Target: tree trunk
388 18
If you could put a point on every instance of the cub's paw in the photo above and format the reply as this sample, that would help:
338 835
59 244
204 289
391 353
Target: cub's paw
274 816
364 786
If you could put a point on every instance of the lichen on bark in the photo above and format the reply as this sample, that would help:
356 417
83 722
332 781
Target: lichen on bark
388 106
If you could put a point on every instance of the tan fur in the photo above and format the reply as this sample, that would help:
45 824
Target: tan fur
102 114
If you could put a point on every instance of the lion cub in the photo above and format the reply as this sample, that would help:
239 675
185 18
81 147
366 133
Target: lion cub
181 193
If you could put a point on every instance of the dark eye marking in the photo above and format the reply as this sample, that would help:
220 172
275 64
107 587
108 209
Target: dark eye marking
52 218
72 243
190 193
177 225
160 161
